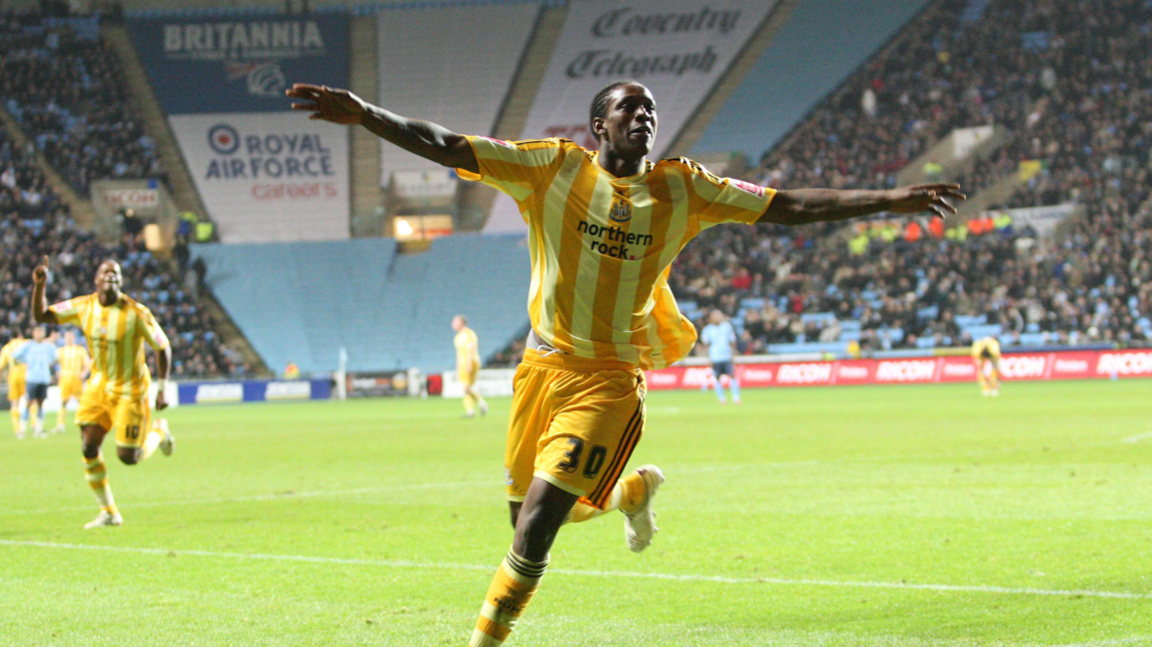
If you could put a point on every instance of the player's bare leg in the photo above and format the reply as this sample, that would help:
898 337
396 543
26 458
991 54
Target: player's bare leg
537 520
981 378
35 414
91 438
481 404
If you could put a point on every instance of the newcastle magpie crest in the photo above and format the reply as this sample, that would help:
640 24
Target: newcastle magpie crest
621 209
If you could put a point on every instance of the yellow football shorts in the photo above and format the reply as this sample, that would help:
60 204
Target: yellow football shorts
467 377
71 386
129 416
574 423
16 385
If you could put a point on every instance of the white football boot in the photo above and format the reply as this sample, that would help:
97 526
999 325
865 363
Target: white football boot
105 518
640 526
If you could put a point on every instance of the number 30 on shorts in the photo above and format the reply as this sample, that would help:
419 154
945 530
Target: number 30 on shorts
591 466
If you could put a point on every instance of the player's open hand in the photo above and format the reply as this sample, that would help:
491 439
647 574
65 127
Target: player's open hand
40 273
330 104
940 199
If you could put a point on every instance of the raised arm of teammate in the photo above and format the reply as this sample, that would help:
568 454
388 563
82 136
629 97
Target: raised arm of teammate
802 206
426 139
40 311
163 367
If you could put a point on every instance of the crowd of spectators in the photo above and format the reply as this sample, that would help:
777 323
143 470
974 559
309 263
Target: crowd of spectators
1069 81
1072 84
35 222
62 83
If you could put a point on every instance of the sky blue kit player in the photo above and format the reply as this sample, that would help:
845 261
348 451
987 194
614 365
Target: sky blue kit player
40 356
720 338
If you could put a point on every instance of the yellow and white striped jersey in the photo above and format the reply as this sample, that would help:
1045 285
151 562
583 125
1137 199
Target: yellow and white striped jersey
467 350
72 360
988 347
116 337
7 356
602 246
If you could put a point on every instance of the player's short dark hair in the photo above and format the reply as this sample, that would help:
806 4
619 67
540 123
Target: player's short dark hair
600 102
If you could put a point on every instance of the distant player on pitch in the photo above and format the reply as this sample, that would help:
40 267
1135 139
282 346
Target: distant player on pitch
116 394
986 356
39 355
16 384
468 365
75 363
603 229
719 337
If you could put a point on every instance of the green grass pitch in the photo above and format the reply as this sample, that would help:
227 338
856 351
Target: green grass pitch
917 515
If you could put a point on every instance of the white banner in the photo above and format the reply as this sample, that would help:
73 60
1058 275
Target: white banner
490 383
678 48
1042 219
964 140
132 198
439 183
268 177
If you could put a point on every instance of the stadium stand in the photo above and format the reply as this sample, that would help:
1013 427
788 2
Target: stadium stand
431 57
1087 132
61 83
402 307
823 42
34 222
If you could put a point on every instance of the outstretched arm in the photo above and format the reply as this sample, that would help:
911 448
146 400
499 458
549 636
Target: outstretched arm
163 367
426 139
802 206
40 311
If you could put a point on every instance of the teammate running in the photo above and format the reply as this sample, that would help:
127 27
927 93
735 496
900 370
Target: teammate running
603 229
39 355
116 395
986 357
16 385
468 365
75 364
719 337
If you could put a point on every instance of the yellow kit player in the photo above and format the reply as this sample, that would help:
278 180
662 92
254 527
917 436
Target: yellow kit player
603 229
75 363
115 397
468 365
16 385
986 356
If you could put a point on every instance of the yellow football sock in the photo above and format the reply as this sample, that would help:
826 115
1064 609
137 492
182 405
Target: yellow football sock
512 589
61 414
14 411
633 491
152 440
469 403
626 495
97 476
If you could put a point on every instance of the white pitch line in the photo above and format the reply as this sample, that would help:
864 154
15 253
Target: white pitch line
263 497
1110 643
1137 438
402 563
